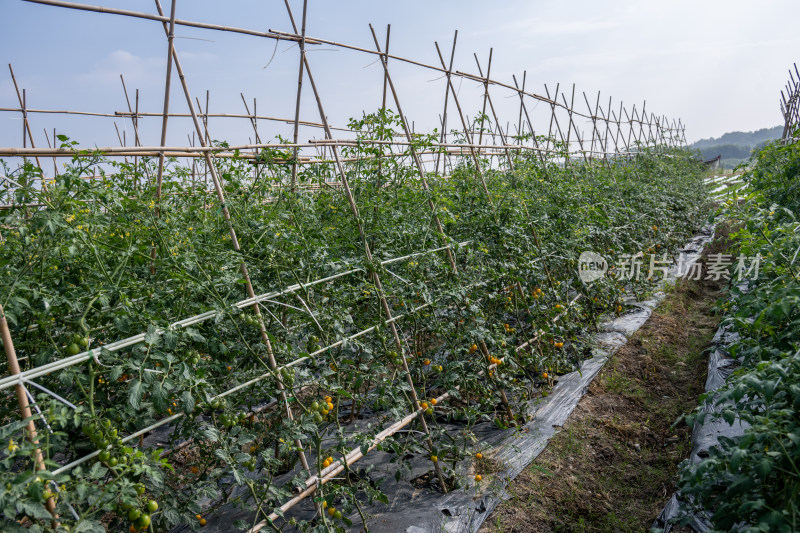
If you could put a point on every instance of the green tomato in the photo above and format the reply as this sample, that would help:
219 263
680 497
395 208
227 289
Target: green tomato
337 515
134 514
152 506
83 342
104 456
142 522
315 405
139 489
112 462
73 349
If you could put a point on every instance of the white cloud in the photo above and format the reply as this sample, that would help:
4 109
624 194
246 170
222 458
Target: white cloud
196 57
536 26
138 71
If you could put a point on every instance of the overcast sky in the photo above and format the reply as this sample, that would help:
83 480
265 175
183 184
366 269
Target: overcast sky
717 65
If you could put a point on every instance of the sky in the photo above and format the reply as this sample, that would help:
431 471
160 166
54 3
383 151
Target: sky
717 65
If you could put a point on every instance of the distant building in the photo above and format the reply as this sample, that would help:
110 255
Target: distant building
713 163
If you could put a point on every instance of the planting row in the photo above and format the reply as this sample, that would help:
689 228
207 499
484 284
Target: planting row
375 297
752 482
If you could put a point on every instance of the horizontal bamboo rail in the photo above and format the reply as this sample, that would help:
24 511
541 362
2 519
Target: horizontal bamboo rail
178 22
227 152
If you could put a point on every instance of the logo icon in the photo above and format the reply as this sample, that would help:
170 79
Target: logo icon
591 267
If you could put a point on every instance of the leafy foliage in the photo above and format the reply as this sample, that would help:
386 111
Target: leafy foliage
104 259
752 483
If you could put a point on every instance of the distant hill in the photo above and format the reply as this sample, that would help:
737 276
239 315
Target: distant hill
735 146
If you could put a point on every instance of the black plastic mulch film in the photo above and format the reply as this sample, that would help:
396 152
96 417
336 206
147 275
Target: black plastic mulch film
707 434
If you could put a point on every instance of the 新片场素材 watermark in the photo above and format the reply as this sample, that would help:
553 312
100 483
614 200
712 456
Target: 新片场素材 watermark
593 266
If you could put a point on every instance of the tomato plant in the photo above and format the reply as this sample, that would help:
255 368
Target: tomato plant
97 264
751 482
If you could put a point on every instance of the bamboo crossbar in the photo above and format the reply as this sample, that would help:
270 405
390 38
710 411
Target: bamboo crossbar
178 22
221 151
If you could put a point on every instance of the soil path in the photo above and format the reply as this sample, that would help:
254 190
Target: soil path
613 464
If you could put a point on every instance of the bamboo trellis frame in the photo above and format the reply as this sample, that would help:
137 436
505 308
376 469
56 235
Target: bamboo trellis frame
635 128
790 104
674 133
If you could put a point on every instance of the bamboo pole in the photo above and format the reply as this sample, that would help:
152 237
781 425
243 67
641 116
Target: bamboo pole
194 162
337 468
367 252
464 125
135 120
415 156
642 117
254 124
443 117
631 122
299 89
521 101
235 242
618 122
385 87
634 118
252 118
485 90
594 118
26 127
24 406
554 118
523 107
47 138
607 117
488 98
167 84
134 116
571 126
386 62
